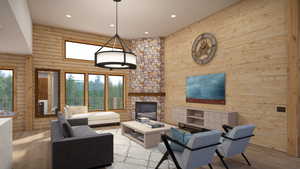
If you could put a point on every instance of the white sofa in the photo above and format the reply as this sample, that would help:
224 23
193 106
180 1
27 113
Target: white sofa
94 118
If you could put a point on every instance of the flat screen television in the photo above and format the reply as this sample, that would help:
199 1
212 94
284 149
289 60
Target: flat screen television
209 89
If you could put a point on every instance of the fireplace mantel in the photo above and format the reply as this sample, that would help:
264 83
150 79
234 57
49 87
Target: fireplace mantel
147 94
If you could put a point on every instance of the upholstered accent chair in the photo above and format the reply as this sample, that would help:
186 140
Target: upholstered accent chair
234 142
198 152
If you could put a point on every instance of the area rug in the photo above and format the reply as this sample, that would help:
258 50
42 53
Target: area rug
130 155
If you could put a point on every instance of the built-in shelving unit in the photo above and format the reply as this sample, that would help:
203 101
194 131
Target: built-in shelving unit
201 118
195 117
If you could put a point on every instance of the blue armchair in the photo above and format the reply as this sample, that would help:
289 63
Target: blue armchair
235 141
198 152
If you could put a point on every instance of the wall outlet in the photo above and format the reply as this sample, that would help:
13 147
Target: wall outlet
280 108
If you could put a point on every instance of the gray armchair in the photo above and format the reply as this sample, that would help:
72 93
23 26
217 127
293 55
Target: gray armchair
198 152
235 142
86 149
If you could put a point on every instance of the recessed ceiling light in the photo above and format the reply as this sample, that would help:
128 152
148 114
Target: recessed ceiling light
112 25
68 16
173 16
146 33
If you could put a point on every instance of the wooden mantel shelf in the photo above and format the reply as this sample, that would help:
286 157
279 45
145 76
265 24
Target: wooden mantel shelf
147 94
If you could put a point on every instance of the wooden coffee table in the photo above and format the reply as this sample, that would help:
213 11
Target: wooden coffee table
143 134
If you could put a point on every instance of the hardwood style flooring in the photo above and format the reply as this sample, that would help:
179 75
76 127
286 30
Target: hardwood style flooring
32 151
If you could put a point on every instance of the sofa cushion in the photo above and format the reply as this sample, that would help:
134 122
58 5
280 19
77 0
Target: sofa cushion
68 130
180 136
98 115
72 110
65 126
83 131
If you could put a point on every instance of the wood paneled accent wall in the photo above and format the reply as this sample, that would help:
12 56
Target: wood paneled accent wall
17 63
48 53
252 40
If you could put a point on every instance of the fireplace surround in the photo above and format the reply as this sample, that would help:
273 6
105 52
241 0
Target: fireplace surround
146 109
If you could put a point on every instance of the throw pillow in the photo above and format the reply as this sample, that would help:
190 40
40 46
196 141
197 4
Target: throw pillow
68 114
180 136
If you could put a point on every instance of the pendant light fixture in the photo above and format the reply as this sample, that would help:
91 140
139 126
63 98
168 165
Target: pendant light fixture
116 58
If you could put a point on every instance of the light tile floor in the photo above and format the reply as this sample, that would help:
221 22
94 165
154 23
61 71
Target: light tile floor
31 150
128 154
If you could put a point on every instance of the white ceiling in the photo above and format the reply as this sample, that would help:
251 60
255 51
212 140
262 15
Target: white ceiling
15 27
136 16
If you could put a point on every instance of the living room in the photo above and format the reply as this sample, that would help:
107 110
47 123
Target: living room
222 73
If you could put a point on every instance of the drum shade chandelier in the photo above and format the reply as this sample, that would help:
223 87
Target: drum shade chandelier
116 58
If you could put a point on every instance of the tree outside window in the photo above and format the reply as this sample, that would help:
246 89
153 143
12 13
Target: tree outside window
115 92
74 89
6 90
96 92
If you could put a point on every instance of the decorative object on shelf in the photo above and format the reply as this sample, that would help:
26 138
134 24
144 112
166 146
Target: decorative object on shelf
143 119
209 89
122 58
204 48
153 124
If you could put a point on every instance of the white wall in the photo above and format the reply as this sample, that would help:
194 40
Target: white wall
15 27
22 14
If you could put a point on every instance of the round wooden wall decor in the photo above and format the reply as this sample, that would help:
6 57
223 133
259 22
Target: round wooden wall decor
204 48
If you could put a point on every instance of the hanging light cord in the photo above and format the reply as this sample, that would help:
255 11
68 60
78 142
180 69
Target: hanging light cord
115 40
117 25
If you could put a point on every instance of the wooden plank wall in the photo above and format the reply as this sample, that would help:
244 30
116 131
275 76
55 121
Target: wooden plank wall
17 62
252 40
48 52
294 78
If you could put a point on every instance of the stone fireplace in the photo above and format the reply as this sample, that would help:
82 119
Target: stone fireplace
147 81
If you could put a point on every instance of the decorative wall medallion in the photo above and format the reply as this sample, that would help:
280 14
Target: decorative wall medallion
204 48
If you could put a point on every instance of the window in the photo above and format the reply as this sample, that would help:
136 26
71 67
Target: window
103 92
115 92
6 90
74 89
82 51
96 92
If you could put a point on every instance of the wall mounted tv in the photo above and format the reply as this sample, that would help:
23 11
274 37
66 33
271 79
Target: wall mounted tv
208 89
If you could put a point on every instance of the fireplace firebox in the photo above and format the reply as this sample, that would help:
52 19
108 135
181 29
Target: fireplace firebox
146 109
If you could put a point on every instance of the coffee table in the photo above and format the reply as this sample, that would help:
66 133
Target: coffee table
143 134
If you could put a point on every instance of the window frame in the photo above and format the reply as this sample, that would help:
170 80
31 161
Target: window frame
85 43
86 97
124 93
84 86
14 106
36 91
105 88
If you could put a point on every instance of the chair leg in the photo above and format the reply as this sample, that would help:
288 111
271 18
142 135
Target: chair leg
222 159
165 156
210 166
170 152
246 159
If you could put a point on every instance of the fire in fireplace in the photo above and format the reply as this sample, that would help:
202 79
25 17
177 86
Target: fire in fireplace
146 109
